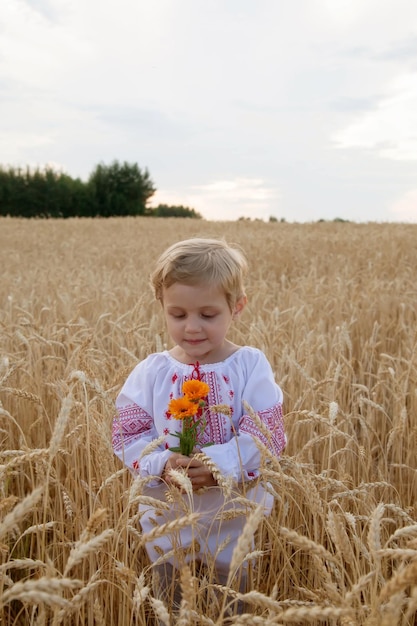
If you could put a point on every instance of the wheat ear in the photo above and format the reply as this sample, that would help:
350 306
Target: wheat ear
307 544
406 577
44 589
140 593
20 511
60 425
76 601
81 550
160 611
188 591
21 564
244 543
303 615
170 527
374 533
225 483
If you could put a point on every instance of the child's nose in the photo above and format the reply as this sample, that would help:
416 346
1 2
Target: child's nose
193 324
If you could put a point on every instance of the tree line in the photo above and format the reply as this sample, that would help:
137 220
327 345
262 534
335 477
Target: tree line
117 189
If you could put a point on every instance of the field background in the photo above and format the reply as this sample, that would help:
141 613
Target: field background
334 307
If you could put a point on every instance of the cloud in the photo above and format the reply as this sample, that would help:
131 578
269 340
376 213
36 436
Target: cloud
345 13
230 105
226 199
405 208
39 50
44 7
14 143
403 50
349 104
390 130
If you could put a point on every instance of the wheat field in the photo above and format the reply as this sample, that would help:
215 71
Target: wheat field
334 307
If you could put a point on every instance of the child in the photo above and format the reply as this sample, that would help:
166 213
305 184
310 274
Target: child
199 283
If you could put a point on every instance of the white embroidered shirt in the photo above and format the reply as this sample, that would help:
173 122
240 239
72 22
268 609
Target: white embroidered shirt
142 412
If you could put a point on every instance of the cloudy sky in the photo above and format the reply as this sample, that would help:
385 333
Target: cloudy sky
298 109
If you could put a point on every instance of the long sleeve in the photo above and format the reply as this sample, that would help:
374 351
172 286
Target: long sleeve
134 426
240 457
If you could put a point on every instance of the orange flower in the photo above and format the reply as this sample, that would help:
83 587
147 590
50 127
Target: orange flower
181 408
195 390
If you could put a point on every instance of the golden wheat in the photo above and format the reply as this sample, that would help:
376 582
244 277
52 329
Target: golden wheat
334 308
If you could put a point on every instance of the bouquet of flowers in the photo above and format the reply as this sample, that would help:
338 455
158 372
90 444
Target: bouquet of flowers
189 409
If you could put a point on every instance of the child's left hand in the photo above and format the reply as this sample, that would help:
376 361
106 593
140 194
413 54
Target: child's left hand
197 472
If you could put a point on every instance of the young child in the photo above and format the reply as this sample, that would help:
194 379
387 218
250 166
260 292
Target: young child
199 283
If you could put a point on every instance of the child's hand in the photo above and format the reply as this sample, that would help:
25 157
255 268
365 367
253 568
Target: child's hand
172 464
198 473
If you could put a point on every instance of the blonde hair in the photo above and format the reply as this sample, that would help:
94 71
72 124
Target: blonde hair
194 261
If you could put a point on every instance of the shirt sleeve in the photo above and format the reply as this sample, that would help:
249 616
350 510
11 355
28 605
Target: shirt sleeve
134 425
240 458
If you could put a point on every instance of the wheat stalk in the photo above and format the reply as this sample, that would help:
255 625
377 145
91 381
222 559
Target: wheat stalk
26 395
405 531
76 601
245 540
60 425
374 533
225 483
98 613
247 619
307 544
81 550
188 591
8 503
339 536
170 527
140 593
20 511
22 564
406 577
313 613
401 553
93 523
43 589
181 480
160 611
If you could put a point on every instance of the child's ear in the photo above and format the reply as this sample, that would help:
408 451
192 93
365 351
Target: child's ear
239 306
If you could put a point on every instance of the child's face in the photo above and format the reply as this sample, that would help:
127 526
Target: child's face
198 318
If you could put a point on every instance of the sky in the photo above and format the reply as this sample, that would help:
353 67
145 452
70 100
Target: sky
295 109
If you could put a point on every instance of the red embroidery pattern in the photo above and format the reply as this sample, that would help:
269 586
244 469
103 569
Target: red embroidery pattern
195 374
273 420
131 423
216 430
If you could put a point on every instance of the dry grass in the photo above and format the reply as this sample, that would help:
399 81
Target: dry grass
334 306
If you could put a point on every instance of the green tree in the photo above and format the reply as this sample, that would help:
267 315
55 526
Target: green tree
165 210
117 189
120 189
